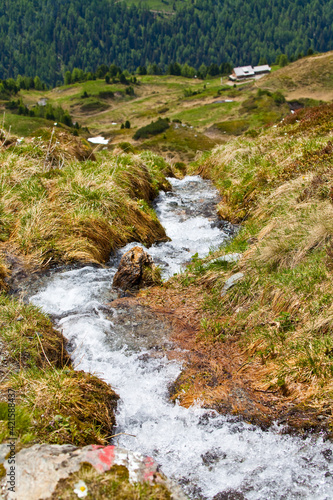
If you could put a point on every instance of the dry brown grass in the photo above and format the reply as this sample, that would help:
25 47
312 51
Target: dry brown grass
78 210
291 237
308 77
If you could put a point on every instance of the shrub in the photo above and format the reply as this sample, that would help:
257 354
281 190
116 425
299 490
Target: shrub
153 128
106 94
278 98
129 90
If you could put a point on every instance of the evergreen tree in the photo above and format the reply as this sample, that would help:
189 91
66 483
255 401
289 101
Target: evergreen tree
90 34
38 83
68 78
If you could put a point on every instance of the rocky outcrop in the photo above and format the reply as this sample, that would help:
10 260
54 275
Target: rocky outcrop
136 270
42 467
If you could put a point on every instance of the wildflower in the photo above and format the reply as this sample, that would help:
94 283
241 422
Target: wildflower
80 488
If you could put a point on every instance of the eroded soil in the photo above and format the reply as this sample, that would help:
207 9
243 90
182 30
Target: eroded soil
220 374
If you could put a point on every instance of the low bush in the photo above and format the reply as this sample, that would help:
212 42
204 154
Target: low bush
106 94
154 128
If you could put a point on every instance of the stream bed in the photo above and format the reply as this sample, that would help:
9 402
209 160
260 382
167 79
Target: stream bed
211 456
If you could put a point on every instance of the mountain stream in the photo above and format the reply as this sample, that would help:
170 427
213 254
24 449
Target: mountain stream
208 454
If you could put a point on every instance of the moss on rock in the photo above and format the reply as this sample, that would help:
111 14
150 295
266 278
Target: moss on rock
113 484
66 406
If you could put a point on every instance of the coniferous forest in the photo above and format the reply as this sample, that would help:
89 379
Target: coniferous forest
49 37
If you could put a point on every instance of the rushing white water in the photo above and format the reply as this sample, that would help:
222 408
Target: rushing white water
207 453
188 215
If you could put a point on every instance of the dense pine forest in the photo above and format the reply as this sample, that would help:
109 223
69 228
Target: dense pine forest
47 38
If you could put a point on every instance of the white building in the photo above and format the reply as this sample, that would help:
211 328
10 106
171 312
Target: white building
244 72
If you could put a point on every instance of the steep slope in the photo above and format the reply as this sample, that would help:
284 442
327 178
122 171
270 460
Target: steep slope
310 77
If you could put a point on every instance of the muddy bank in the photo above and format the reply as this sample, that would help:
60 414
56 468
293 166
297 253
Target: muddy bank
220 375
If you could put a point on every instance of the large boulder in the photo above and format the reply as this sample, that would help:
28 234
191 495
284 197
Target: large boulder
136 270
46 471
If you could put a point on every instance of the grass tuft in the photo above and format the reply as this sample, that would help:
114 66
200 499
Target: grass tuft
68 210
112 484
64 406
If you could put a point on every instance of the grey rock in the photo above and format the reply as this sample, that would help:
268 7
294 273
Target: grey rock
38 469
229 257
231 282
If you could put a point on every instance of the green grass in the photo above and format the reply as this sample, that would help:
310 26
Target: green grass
153 94
23 424
183 141
29 336
204 115
67 94
232 127
113 484
83 414
23 126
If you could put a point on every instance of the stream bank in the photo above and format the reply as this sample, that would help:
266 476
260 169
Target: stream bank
279 183
220 374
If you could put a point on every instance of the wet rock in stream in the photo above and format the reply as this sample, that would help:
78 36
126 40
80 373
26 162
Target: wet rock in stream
136 270
139 327
229 495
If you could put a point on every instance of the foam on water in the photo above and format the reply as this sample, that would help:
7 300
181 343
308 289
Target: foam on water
206 452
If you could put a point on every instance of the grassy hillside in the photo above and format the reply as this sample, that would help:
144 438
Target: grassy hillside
202 113
310 77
